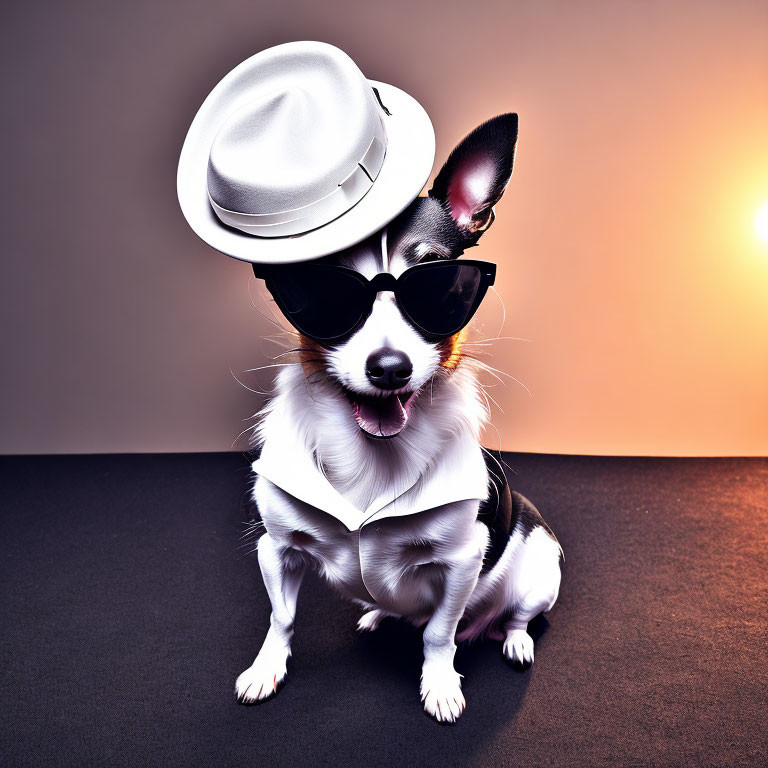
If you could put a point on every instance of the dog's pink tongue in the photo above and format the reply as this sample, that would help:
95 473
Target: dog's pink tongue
381 416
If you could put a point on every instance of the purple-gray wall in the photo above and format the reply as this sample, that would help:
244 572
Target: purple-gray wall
625 240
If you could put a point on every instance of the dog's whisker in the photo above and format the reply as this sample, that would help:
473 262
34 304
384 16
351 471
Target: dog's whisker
246 554
487 369
492 457
493 400
503 307
252 428
242 546
484 395
278 342
252 523
517 381
487 341
294 349
272 319
245 386
271 365
496 372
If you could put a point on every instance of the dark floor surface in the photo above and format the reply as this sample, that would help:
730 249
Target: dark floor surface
128 611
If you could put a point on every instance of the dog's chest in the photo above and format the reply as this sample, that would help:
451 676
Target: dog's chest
395 562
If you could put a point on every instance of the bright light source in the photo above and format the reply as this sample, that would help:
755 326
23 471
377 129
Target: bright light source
761 222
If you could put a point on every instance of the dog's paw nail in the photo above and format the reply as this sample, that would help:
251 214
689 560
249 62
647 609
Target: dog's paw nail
441 694
518 647
260 680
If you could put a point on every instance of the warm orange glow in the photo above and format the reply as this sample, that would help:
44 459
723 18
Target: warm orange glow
627 242
761 222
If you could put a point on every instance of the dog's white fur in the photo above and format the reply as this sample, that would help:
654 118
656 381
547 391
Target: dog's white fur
430 561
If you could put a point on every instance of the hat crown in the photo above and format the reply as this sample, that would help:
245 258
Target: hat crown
294 155
299 124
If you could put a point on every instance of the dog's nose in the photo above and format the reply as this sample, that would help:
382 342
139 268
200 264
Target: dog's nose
388 368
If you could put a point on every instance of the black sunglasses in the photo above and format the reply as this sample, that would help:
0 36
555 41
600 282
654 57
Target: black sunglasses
329 302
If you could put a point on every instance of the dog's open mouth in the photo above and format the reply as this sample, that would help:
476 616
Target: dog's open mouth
382 417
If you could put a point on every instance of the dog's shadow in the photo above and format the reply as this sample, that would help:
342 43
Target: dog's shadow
344 682
394 651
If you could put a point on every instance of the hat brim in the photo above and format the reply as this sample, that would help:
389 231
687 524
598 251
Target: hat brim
406 168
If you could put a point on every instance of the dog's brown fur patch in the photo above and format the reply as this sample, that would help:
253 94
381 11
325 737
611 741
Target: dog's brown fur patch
450 351
311 355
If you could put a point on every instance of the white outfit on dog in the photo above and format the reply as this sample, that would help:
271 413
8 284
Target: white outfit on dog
460 474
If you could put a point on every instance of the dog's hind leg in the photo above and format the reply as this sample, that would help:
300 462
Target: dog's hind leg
370 620
282 570
536 586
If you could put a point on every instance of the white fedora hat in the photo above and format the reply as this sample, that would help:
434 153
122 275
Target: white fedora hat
295 155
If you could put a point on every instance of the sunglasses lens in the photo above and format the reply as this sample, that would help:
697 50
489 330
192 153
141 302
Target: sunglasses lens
441 299
322 302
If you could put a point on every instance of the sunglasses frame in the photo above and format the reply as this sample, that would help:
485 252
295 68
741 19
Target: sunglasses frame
383 281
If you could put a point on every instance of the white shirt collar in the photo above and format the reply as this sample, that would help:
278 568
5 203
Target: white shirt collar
459 475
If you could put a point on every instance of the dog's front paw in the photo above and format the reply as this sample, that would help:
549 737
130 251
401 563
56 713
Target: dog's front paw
441 692
518 647
261 679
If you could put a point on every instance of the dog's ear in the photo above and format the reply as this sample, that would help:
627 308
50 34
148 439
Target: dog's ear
476 174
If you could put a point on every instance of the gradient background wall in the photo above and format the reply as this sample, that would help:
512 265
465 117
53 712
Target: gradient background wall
625 241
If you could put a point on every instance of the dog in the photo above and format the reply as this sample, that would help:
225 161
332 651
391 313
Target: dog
377 480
